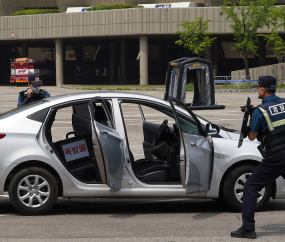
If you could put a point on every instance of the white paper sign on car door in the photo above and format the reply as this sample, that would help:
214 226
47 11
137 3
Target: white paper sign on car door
75 150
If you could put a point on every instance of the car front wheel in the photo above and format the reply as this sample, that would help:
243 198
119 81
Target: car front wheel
234 185
33 191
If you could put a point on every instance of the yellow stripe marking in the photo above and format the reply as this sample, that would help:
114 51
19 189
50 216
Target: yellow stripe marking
267 118
279 123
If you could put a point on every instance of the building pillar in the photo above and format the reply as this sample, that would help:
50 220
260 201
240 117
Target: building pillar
262 52
113 64
52 56
25 50
59 57
123 61
216 57
143 60
6 54
17 52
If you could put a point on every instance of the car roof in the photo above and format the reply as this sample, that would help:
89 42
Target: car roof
111 94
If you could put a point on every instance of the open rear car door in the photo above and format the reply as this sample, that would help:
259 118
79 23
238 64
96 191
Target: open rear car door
196 151
107 143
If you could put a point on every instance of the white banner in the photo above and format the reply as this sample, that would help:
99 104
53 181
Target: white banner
75 150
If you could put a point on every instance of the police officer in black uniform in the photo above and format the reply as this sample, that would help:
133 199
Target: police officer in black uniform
267 124
34 92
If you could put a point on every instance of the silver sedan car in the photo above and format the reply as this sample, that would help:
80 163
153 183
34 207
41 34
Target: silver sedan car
111 144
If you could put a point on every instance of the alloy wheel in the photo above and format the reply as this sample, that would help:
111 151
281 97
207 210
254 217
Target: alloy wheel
33 191
239 186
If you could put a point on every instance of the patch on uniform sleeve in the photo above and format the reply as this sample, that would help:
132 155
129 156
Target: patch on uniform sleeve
277 109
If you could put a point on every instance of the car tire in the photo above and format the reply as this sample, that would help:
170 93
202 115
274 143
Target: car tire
33 191
232 188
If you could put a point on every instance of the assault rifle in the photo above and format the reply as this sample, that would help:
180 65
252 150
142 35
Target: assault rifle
248 110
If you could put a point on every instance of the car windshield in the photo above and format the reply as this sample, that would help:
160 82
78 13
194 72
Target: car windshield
207 121
22 108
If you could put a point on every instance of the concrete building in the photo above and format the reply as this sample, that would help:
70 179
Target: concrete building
9 6
134 45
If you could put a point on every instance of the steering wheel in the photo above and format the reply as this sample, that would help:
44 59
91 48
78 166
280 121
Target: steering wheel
160 132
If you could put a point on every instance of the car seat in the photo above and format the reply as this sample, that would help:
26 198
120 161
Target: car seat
150 170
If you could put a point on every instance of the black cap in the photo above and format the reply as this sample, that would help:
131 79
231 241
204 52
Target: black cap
35 79
266 81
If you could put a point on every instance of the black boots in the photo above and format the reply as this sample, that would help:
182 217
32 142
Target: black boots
242 233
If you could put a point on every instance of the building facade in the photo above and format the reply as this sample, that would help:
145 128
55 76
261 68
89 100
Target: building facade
134 45
10 6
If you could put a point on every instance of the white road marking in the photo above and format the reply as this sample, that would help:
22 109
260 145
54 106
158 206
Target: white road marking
220 119
4 195
9 214
148 120
60 128
63 122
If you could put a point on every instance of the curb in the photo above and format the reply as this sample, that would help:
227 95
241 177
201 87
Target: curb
161 89
114 89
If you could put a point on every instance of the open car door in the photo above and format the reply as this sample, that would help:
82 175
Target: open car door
107 143
196 151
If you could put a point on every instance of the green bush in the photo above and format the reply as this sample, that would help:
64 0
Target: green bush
113 6
190 87
35 11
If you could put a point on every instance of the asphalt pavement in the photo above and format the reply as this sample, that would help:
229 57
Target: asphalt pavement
139 219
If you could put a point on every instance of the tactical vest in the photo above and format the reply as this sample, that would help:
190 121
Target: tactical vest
274 113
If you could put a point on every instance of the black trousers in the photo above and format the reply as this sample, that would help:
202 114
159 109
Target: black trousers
267 171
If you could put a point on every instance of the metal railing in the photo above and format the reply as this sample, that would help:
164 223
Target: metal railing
235 84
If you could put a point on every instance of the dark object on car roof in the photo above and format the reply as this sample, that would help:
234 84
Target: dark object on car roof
196 70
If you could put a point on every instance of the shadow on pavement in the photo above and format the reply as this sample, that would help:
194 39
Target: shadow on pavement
272 229
127 208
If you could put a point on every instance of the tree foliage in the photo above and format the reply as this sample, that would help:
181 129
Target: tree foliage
35 11
113 6
195 37
248 17
274 39
277 43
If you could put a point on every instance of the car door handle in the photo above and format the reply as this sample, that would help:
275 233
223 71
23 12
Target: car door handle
193 144
104 132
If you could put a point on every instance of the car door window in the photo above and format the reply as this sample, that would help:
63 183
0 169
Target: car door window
82 110
103 114
188 126
134 128
156 115
188 121
62 122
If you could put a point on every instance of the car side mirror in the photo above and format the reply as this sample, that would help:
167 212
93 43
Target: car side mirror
212 129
